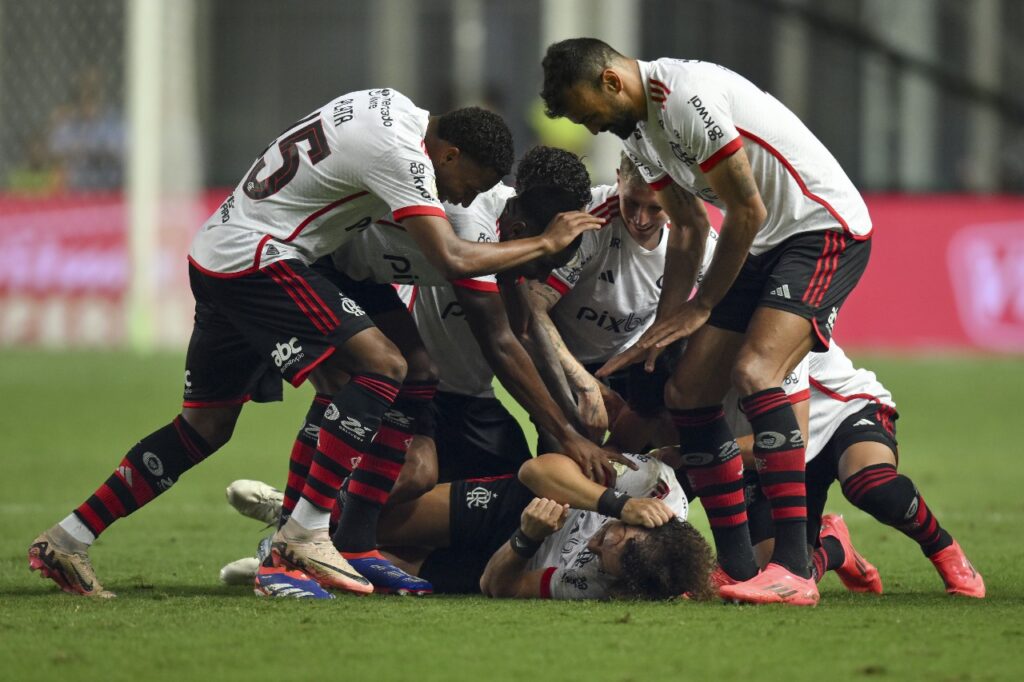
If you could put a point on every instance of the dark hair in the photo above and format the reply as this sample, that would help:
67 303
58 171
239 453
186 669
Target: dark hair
668 561
481 135
541 203
570 62
556 167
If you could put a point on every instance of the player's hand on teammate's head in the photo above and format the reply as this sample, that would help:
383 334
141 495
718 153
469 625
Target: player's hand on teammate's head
565 227
648 512
542 517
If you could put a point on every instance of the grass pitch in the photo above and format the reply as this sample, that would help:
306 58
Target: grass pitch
69 417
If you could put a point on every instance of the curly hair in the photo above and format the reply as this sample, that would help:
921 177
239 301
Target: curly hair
572 61
480 134
541 203
556 167
668 561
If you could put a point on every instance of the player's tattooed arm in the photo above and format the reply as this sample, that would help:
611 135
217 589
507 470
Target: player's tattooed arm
733 181
587 389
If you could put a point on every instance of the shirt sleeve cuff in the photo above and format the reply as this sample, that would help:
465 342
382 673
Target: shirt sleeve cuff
545 582
724 152
558 285
661 183
410 211
476 285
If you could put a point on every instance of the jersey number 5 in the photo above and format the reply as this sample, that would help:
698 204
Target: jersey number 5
313 133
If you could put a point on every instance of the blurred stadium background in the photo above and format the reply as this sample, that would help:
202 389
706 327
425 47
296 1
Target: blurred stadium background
124 122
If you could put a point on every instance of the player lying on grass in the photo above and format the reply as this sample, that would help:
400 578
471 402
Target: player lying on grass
262 312
853 440
553 533
602 304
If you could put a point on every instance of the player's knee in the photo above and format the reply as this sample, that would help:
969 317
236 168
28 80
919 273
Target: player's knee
751 374
214 425
418 478
421 367
386 361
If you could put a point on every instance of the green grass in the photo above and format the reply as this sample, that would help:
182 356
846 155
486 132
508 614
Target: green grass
68 418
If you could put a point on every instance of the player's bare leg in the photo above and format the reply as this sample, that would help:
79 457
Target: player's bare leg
709 452
867 471
149 468
775 342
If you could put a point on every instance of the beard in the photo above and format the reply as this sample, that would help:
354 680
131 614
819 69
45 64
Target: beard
623 125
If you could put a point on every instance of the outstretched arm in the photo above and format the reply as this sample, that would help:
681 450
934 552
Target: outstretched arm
456 258
487 317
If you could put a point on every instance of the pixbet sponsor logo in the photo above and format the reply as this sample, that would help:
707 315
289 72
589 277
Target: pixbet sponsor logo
986 267
608 322
287 353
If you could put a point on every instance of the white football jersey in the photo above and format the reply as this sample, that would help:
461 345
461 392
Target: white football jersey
610 294
571 571
326 177
448 338
699 113
385 253
838 390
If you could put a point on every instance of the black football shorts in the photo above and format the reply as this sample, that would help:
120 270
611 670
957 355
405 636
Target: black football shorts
250 330
809 274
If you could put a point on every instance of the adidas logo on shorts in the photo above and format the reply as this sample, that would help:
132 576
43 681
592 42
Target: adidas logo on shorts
865 422
782 291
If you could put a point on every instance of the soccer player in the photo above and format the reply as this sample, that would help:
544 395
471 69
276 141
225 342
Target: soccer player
793 243
598 308
260 308
852 429
553 533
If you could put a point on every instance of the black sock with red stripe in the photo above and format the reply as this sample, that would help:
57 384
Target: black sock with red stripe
828 556
302 455
715 471
150 468
349 425
894 500
373 478
779 453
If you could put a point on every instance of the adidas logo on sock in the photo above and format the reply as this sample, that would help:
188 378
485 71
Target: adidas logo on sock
782 291
865 422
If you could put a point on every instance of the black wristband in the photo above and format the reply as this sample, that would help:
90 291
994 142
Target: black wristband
523 545
611 503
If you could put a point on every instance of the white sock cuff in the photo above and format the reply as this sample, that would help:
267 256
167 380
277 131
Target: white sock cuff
76 529
309 517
